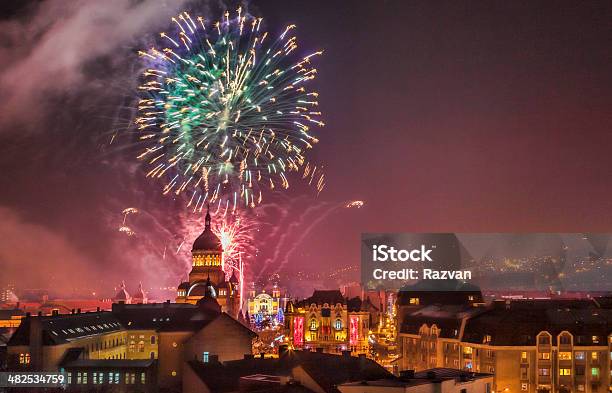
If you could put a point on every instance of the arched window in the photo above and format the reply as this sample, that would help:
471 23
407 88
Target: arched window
338 324
313 324
141 346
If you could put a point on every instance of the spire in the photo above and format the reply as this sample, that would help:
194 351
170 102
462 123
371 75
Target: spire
207 218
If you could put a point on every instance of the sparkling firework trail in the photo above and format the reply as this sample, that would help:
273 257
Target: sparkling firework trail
224 112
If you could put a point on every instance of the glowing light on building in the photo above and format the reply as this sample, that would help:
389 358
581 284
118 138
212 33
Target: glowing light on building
298 331
354 330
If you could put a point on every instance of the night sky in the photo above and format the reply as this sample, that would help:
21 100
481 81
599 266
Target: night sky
454 116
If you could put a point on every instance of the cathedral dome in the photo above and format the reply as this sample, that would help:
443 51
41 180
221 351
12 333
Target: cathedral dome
122 295
207 241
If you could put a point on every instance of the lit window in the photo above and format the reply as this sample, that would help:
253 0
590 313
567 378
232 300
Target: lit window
95 378
524 386
69 377
141 346
205 357
24 358
595 339
174 373
84 378
467 350
565 371
110 378
594 355
523 356
338 324
595 371
143 378
565 356
414 301
79 378
580 388
544 371
579 356
116 378
544 355
313 324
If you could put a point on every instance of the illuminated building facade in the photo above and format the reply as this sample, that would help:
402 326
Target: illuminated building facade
533 346
266 308
207 272
328 322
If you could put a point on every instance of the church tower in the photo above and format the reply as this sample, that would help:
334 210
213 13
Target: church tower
207 277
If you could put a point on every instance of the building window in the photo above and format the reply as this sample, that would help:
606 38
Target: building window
594 355
565 371
579 355
544 355
580 388
565 356
79 378
523 357
467 350
140 346
595 371
487 338
338 324
152 340
313 324
414 301
24 359
69 378
595 339
95 378
173 373
152 355
116 378
143 378
544 372
544 340
524 386
84 378
110 378
205 357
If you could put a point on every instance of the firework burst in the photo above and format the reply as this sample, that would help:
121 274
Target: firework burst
224 110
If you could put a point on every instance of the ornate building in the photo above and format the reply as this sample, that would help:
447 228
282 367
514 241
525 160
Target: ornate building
267 307
329 322
207 274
